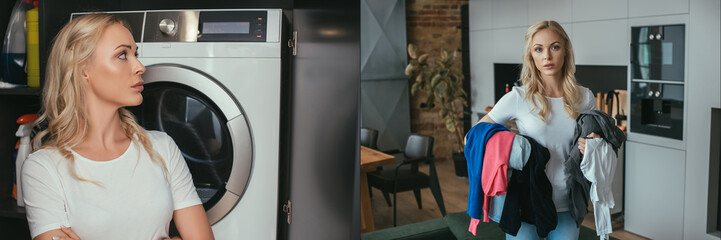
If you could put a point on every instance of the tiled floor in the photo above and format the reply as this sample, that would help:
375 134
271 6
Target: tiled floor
455 195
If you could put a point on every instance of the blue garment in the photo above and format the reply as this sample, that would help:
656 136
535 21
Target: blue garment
565 229
496 208
475 146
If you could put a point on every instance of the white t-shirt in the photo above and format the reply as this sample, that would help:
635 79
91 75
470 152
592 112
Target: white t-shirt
134 201
556 134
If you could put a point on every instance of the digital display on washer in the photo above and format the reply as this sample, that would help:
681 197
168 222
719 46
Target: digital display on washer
226 28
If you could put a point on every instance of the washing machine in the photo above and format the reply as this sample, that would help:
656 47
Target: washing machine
213 83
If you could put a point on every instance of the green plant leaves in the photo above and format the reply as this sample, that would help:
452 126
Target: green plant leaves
415 87
448 104
435 80
449 59
410 70
443 85
439 93
422 59
444 72
448 94
430 101
412 51
450 125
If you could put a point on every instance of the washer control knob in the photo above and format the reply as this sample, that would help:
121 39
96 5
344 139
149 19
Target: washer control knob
650 93
658 93
167 26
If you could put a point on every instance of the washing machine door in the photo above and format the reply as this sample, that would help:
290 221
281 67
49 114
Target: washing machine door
209 127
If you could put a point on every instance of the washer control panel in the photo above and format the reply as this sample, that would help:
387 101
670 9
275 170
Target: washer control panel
206 26
246 26
225 25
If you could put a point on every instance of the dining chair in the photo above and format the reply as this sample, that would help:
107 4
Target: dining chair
404 176
369 137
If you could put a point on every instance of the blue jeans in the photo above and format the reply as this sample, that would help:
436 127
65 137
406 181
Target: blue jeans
565 229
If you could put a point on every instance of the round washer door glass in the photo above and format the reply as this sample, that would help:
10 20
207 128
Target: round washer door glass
197 127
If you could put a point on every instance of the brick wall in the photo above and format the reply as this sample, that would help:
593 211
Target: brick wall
432 25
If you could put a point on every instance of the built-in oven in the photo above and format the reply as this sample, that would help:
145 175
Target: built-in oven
657 109
657 80
657 52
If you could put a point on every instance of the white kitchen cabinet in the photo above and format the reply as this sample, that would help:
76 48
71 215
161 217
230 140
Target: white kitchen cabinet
568 27
590 10
481 43
510 13
654 199
480 15
705 93
508 45
646 8
557 10
601 42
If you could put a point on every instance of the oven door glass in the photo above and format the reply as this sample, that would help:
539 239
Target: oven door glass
657 52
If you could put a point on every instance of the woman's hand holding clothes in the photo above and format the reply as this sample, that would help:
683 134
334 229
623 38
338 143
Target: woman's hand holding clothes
582 141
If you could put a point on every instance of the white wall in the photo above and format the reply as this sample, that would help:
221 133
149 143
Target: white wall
704 84
599 33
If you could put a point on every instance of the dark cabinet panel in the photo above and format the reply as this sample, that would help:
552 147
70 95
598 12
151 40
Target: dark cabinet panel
324 173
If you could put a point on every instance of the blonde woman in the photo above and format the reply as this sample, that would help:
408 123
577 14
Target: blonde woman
545 108
98 174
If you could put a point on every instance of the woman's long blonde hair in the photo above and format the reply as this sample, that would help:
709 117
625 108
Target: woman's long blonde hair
531 77
64 109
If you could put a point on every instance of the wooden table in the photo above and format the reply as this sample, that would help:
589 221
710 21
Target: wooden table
370 159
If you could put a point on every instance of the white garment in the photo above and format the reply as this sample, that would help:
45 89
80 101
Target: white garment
134 200
520 151
556 134
599 166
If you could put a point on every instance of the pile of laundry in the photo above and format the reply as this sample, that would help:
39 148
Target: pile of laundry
508 183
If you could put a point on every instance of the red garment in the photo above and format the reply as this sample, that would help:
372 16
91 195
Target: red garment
473 226
494 178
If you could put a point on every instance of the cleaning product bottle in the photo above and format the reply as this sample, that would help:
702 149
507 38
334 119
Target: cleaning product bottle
15 157
12 59
33 46
26 128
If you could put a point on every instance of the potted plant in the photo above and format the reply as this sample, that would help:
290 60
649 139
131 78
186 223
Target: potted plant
443 88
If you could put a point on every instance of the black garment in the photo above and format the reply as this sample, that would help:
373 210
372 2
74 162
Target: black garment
529 195
578 186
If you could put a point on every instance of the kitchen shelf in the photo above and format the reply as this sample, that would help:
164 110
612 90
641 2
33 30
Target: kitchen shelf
9 208
21 91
